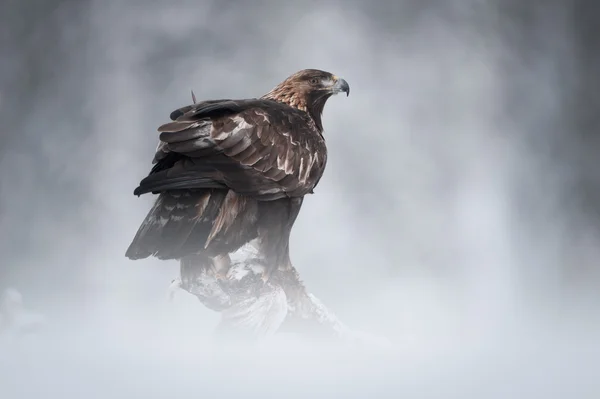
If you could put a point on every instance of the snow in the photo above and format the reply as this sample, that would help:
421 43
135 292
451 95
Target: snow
152 352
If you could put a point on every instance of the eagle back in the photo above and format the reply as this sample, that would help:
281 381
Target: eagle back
256 147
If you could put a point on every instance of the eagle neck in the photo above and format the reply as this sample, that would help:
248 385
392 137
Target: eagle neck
314 114
313 107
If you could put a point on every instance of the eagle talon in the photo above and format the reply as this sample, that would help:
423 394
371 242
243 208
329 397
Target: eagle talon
220 276
217 274
265 278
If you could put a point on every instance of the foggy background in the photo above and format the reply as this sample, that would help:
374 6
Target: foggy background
459 214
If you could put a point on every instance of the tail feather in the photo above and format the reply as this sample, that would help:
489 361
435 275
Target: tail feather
177 225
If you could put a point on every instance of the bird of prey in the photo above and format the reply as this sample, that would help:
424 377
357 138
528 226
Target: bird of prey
231 173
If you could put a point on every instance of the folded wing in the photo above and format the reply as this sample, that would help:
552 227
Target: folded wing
258 148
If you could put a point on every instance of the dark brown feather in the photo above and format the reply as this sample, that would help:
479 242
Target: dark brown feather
270 135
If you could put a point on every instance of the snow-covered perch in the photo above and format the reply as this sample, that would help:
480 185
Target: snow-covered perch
254 309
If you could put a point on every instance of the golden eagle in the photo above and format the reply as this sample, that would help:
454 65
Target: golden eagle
233 172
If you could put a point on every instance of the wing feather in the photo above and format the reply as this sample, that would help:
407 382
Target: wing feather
258 148
258 155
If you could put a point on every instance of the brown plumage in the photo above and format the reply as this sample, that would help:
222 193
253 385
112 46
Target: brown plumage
232 171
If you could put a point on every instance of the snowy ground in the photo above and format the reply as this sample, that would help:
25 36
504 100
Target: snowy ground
160 353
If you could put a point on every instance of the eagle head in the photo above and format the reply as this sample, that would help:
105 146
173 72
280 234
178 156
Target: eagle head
308 90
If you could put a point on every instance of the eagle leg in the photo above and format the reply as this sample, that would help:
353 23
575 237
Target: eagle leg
266 275
220 266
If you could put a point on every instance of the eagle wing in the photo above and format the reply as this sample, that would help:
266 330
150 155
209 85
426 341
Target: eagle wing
258 148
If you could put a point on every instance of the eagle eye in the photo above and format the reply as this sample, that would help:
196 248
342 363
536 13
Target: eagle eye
314 81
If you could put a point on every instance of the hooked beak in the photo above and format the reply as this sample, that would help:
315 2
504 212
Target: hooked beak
339 86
